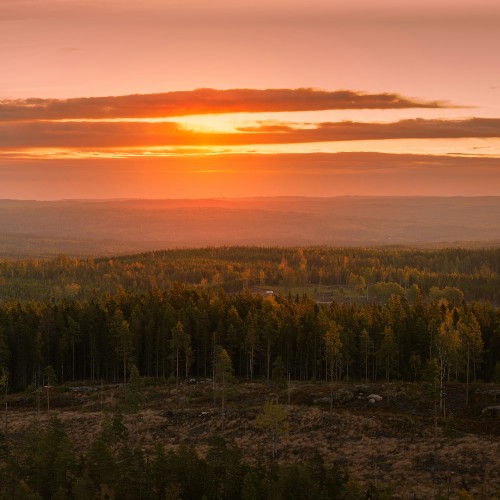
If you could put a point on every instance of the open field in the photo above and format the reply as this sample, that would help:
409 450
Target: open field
391 443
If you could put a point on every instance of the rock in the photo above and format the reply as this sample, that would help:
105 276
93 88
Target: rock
321 401
341 396
489 392
375 397
362 388
491 411
83 389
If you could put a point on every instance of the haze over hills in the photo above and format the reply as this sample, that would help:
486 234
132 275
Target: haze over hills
97 227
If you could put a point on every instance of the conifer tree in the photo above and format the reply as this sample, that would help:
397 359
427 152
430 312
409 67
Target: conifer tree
120 332
333 346
388 351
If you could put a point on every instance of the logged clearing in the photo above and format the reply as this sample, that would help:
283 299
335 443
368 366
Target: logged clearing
394 441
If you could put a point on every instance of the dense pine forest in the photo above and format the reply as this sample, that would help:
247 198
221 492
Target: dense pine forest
363 314
267 315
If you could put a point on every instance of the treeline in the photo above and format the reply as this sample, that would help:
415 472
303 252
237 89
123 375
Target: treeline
46 466
340 273
178 333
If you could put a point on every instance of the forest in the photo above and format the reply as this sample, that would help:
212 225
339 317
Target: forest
177 332
324 273
370 314
340 316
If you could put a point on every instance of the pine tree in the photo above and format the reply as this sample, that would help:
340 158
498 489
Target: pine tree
279 374
181 342
333 346
120 332
388 351
4 387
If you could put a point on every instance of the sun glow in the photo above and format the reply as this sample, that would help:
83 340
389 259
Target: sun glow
472 147
210 124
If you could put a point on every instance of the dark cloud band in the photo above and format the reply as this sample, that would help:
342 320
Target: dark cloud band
40 134
202 101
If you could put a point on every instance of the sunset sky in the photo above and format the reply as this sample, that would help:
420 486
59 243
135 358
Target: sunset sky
171 99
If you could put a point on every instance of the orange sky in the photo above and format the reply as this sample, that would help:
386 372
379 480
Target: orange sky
318 98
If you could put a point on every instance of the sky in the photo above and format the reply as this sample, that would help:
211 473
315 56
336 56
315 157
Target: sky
169 99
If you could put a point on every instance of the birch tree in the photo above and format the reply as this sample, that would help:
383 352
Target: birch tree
223 372
447 342
273 421
472 345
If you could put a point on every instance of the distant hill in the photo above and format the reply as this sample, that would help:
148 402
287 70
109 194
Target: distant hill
95 227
